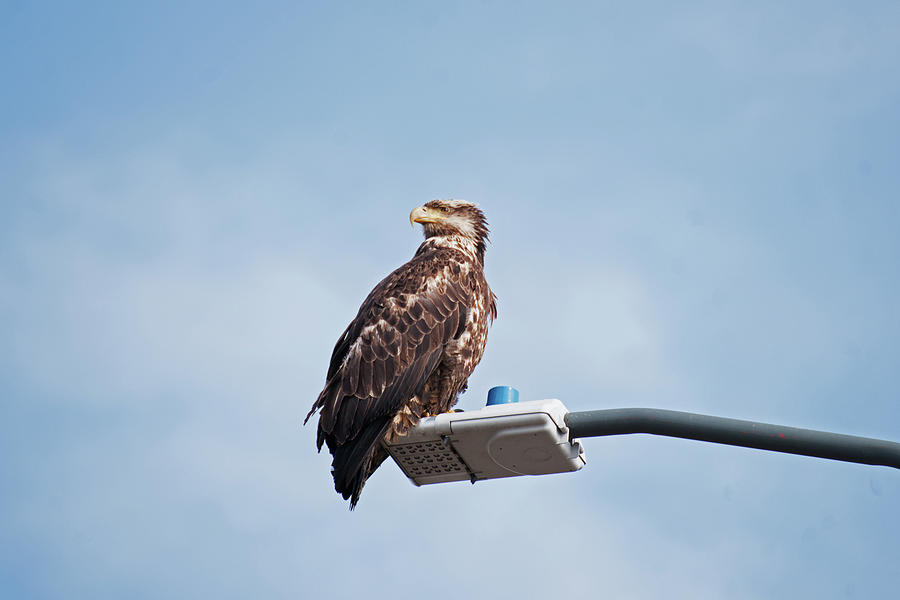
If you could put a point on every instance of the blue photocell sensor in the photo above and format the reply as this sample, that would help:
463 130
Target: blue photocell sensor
502 394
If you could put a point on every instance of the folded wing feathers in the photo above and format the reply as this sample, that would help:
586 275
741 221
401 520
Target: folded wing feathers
394 352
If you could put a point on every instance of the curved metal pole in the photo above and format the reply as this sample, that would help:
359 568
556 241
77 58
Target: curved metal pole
734 432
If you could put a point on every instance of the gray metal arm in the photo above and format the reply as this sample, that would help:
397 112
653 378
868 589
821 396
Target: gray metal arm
734 432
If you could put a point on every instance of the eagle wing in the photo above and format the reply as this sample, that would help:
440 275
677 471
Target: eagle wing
387 353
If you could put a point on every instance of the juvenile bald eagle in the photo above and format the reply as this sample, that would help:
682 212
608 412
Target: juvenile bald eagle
412 346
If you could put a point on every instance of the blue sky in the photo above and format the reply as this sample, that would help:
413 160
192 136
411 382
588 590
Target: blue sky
694 206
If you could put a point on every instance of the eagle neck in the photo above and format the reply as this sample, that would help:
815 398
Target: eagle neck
456 242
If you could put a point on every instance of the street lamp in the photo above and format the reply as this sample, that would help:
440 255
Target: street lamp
508 438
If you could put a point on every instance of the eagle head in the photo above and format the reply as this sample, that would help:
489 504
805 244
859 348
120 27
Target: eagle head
452 218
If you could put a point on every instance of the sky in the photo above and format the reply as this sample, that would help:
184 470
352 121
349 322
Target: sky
694 206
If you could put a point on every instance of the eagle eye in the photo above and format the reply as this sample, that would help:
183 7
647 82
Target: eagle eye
445 209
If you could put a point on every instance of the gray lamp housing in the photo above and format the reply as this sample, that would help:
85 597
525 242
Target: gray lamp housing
503 440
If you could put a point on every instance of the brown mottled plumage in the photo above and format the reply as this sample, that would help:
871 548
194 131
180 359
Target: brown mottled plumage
412 346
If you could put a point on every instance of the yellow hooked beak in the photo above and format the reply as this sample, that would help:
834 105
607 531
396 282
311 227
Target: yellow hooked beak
423 214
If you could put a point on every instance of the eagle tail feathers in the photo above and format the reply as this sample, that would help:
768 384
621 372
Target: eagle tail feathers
355 460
